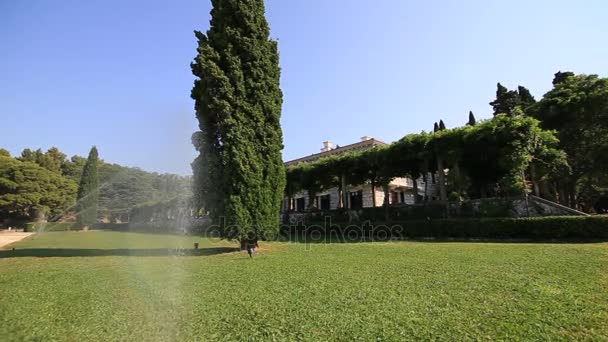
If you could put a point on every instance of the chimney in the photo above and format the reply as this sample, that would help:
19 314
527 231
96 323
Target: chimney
327 146
366 138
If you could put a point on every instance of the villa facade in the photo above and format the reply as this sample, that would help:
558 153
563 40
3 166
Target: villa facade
401 190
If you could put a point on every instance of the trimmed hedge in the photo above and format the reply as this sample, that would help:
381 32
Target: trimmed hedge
491 207
533 228
49 227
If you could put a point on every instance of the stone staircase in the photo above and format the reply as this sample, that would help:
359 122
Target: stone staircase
542 207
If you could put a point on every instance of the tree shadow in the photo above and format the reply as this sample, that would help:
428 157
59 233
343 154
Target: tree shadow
69 252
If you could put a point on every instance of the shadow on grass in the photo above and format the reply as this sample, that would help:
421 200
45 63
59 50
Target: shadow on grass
68 252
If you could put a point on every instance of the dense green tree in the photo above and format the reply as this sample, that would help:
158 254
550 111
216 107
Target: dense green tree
28 155
560 77
525 97
472 120
30 191
495 157
506 100
238 105
207 185
124 188
577 107
414 158
451 147
4 153
88 191
435 127
121 188
438 149
72 168
51 160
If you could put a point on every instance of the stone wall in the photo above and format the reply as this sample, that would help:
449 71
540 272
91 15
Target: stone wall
479 208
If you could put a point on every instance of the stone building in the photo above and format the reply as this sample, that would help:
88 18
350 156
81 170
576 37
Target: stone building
359 196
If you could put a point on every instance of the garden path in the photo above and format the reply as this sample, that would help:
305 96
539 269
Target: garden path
8 237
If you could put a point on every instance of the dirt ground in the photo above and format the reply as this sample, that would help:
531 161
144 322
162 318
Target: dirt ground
8 237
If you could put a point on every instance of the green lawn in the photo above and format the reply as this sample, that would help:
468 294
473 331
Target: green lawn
82 286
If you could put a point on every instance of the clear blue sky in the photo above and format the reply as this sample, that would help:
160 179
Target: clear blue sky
116 74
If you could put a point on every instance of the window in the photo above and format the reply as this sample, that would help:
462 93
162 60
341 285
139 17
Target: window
300 204
356 200
394 197
323 202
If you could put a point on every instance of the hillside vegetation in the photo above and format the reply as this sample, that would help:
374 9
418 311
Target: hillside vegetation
40 184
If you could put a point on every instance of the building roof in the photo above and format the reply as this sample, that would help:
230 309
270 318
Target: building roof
362 145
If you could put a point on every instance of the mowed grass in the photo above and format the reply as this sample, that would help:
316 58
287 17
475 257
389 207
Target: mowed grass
83 286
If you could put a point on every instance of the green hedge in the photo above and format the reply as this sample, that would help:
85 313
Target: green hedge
495 207
49 227
534 228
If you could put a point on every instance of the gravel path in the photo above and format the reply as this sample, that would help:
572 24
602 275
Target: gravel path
6 237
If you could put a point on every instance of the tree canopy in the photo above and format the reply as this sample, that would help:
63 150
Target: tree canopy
577 108
508 100
495 156
28 190
120 188
239 174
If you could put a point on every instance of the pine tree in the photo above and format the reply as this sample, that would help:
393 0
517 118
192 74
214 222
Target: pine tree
441 125
435 127
472 120
239 175
88 191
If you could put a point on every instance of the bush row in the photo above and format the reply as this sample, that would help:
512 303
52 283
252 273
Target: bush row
534 228
468 209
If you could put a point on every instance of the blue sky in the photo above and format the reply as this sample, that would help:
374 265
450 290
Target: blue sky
116 73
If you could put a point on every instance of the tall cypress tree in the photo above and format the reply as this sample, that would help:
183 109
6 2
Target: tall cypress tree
441 125
435 127
88 191
472 120
239 175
